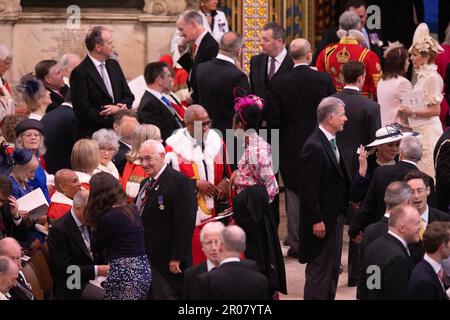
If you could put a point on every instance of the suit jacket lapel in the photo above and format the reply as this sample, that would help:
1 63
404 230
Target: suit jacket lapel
157 189
93 72
111 78
329 150
75 233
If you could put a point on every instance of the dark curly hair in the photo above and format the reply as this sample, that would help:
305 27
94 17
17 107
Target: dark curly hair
105 193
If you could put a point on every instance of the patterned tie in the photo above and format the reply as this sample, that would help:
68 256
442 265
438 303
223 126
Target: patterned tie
335 148
422 228
85 234
271 68
172 110
106 80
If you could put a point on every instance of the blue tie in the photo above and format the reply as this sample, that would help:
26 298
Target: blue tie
172 110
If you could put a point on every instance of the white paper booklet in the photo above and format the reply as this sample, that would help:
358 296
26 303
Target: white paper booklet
415 99
34 203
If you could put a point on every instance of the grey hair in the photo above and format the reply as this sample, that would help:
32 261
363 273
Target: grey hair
411 148
230 44
154 144
215 226
80 198
5 52
349 20
106 137
396 193
327 106
233 238
64 61
192 16
5 265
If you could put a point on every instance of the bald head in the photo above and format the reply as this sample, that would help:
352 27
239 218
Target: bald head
300 50
66 182
405 221
233 240
194 112
10 248
231 44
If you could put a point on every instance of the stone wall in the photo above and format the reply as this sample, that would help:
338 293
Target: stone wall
139 36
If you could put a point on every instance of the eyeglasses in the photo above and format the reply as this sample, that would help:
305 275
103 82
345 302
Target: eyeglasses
419 191
105 150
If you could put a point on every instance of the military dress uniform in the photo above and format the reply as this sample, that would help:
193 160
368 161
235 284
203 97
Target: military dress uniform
333 57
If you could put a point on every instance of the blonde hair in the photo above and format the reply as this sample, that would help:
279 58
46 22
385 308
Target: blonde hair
40 151
85 156
142 133
20 170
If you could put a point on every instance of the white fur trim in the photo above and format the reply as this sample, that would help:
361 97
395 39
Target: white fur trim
183 145
59 197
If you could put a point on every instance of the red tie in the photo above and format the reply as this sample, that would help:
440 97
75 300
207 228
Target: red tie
193 49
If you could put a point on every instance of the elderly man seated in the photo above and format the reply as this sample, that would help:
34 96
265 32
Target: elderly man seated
66 184
8 275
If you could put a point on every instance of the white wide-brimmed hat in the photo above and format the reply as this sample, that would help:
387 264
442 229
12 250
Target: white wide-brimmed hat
389 133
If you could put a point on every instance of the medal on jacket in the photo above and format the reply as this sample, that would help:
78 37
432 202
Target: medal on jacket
161 203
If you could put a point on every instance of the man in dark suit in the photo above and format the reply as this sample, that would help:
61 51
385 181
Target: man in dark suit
232 280
363 121
60 132
98 85
198 45
427 279
209 239
363 113
387 264
442 161
11 222
125 122
50 73
168 206
69 245
373 208
10 248
216 94
397 193
155 108
420 186
323 193
293 100
274 60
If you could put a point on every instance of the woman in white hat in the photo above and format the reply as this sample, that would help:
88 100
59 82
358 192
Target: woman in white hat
383 151
423 53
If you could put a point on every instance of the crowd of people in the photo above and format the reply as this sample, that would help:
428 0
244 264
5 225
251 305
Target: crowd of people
178 198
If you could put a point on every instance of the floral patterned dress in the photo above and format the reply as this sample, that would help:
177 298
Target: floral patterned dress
255 166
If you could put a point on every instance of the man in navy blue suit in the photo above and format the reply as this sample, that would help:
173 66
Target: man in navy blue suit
427 279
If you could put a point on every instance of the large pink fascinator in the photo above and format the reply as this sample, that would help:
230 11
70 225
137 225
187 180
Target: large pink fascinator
241 102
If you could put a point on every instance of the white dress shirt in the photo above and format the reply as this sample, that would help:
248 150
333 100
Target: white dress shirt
278 61
405 245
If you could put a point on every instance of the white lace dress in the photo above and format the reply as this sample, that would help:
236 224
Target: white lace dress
431 83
